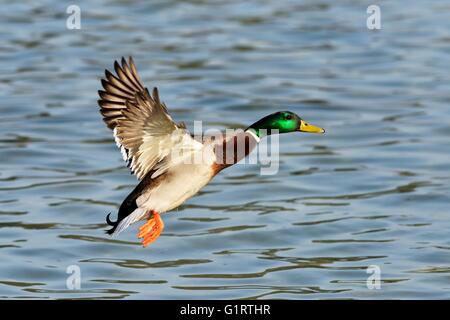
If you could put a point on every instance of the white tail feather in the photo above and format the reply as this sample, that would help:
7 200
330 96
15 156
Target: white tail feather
135 216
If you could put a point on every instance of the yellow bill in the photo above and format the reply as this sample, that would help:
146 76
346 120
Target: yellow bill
306 127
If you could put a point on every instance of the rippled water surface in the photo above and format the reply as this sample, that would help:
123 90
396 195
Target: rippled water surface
373 191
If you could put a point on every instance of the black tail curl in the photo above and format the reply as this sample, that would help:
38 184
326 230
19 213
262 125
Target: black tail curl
111 223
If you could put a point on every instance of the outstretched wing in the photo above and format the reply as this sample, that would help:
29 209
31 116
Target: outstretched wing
144 131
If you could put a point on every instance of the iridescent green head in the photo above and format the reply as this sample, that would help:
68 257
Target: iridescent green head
283 122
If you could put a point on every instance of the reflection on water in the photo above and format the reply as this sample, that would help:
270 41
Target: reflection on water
373 191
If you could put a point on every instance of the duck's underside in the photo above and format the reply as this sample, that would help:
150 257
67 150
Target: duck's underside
161 194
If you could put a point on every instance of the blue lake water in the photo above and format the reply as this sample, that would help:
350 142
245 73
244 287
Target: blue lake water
373 191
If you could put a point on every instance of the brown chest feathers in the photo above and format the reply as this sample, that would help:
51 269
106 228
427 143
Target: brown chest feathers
232 149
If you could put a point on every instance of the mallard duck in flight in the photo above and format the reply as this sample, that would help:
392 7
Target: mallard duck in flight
159 151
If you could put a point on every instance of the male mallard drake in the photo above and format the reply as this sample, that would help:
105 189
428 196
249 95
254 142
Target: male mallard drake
160 152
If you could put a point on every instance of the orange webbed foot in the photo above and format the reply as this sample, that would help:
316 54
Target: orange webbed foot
146 228
152 229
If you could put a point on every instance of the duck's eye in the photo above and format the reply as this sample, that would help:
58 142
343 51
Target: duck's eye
288 117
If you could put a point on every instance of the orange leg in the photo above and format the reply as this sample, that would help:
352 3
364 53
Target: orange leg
152 229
